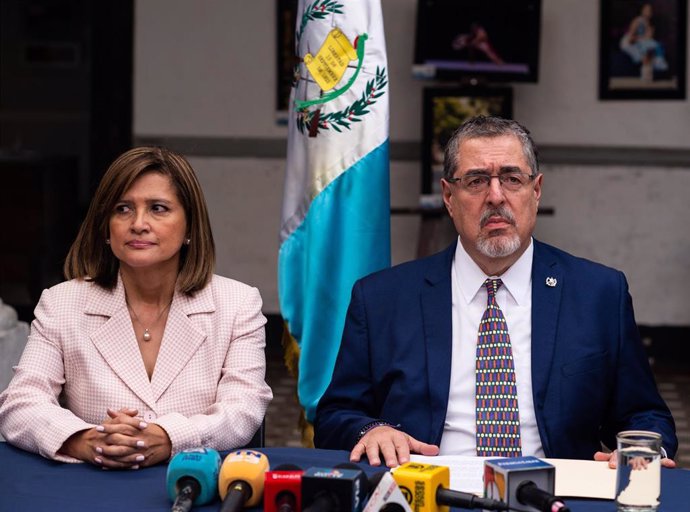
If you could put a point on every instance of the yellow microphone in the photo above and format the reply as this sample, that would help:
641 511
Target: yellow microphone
419 482
426 488
241 479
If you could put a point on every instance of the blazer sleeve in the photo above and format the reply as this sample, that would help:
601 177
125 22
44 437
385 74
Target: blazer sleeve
637 404
349 401
31 416
242 395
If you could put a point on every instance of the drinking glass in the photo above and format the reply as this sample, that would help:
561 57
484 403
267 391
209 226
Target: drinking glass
638 477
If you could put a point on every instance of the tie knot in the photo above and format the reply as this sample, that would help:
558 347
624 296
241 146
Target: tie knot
492 286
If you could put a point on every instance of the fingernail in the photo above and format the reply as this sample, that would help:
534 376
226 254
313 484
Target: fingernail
141 444
99 449
100 428
140 458
143 425
136 466
98 460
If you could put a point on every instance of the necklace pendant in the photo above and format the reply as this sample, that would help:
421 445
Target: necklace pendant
147 335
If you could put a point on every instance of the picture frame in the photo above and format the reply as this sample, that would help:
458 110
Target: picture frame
643 47
444 109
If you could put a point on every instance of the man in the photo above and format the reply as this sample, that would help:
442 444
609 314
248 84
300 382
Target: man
559 330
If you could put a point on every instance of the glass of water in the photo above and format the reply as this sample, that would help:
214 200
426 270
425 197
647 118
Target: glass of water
638 477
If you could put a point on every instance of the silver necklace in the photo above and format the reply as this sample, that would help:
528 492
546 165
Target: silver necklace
147 331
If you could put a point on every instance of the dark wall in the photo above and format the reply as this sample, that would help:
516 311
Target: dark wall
65 114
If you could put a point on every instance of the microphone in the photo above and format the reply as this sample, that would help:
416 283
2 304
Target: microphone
529 494
523 482
283 489
425 486
339 489
386 495
241 479
191 478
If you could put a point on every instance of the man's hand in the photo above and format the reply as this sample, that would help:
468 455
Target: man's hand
394 445
613 462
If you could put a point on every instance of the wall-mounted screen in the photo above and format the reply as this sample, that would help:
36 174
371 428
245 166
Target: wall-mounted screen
484 40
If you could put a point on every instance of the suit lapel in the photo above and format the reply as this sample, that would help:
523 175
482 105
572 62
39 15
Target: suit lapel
436 302
181 339
547 285
116 342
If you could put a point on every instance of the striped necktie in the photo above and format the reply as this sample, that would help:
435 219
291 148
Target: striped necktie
498 418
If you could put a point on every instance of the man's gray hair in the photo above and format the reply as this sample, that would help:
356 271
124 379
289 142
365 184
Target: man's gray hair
488 126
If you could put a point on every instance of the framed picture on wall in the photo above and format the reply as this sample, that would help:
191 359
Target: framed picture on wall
643 49
446 108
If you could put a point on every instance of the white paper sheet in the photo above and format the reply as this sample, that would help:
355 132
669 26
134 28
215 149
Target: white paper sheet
574 478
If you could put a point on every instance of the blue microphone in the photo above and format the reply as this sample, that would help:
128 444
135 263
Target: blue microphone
192 478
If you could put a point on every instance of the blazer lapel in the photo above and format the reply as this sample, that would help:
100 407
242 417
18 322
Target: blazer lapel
436 302
547 285
181 339
116 342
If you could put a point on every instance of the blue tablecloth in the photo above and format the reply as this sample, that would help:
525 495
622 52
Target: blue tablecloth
30 483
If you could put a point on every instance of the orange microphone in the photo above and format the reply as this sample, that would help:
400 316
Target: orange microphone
241 479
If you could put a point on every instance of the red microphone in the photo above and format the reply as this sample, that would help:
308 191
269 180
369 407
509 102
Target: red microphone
283 489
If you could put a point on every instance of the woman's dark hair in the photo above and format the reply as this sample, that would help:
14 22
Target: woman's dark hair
91 258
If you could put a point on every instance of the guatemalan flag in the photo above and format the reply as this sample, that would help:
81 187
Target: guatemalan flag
335 224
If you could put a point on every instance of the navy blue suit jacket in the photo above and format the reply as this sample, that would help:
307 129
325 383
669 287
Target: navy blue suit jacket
590 374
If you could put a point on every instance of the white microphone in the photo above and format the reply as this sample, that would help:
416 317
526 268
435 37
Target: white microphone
386 495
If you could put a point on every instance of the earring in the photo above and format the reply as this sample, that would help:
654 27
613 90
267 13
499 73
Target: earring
107 241
187 241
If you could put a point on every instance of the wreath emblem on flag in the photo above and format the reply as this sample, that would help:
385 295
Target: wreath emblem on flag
327 68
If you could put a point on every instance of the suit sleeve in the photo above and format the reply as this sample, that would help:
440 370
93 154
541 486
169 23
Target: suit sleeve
349 401
242 395
31 416
637 404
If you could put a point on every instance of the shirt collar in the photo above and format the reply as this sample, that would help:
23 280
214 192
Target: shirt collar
470 278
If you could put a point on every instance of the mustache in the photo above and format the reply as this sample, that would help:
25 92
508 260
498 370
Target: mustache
501 211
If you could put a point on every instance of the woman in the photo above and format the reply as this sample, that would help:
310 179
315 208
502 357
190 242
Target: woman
639 43
143 352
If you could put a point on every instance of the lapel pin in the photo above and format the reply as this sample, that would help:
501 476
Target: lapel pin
551 281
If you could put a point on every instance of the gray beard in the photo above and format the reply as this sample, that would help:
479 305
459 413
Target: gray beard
498 246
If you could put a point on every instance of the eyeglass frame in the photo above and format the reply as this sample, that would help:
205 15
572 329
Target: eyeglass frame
500 177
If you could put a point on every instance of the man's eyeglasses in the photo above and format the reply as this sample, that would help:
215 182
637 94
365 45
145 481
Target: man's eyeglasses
476 183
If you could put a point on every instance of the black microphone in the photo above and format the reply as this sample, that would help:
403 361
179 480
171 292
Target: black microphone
467 500
523 481
339 489
529 494
283 489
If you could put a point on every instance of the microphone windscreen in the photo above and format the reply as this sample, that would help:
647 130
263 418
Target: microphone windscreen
340 488
200 464
503 477
419 482
247 466
283 489
385 495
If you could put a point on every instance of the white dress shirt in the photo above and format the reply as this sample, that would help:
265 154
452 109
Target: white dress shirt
469 303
